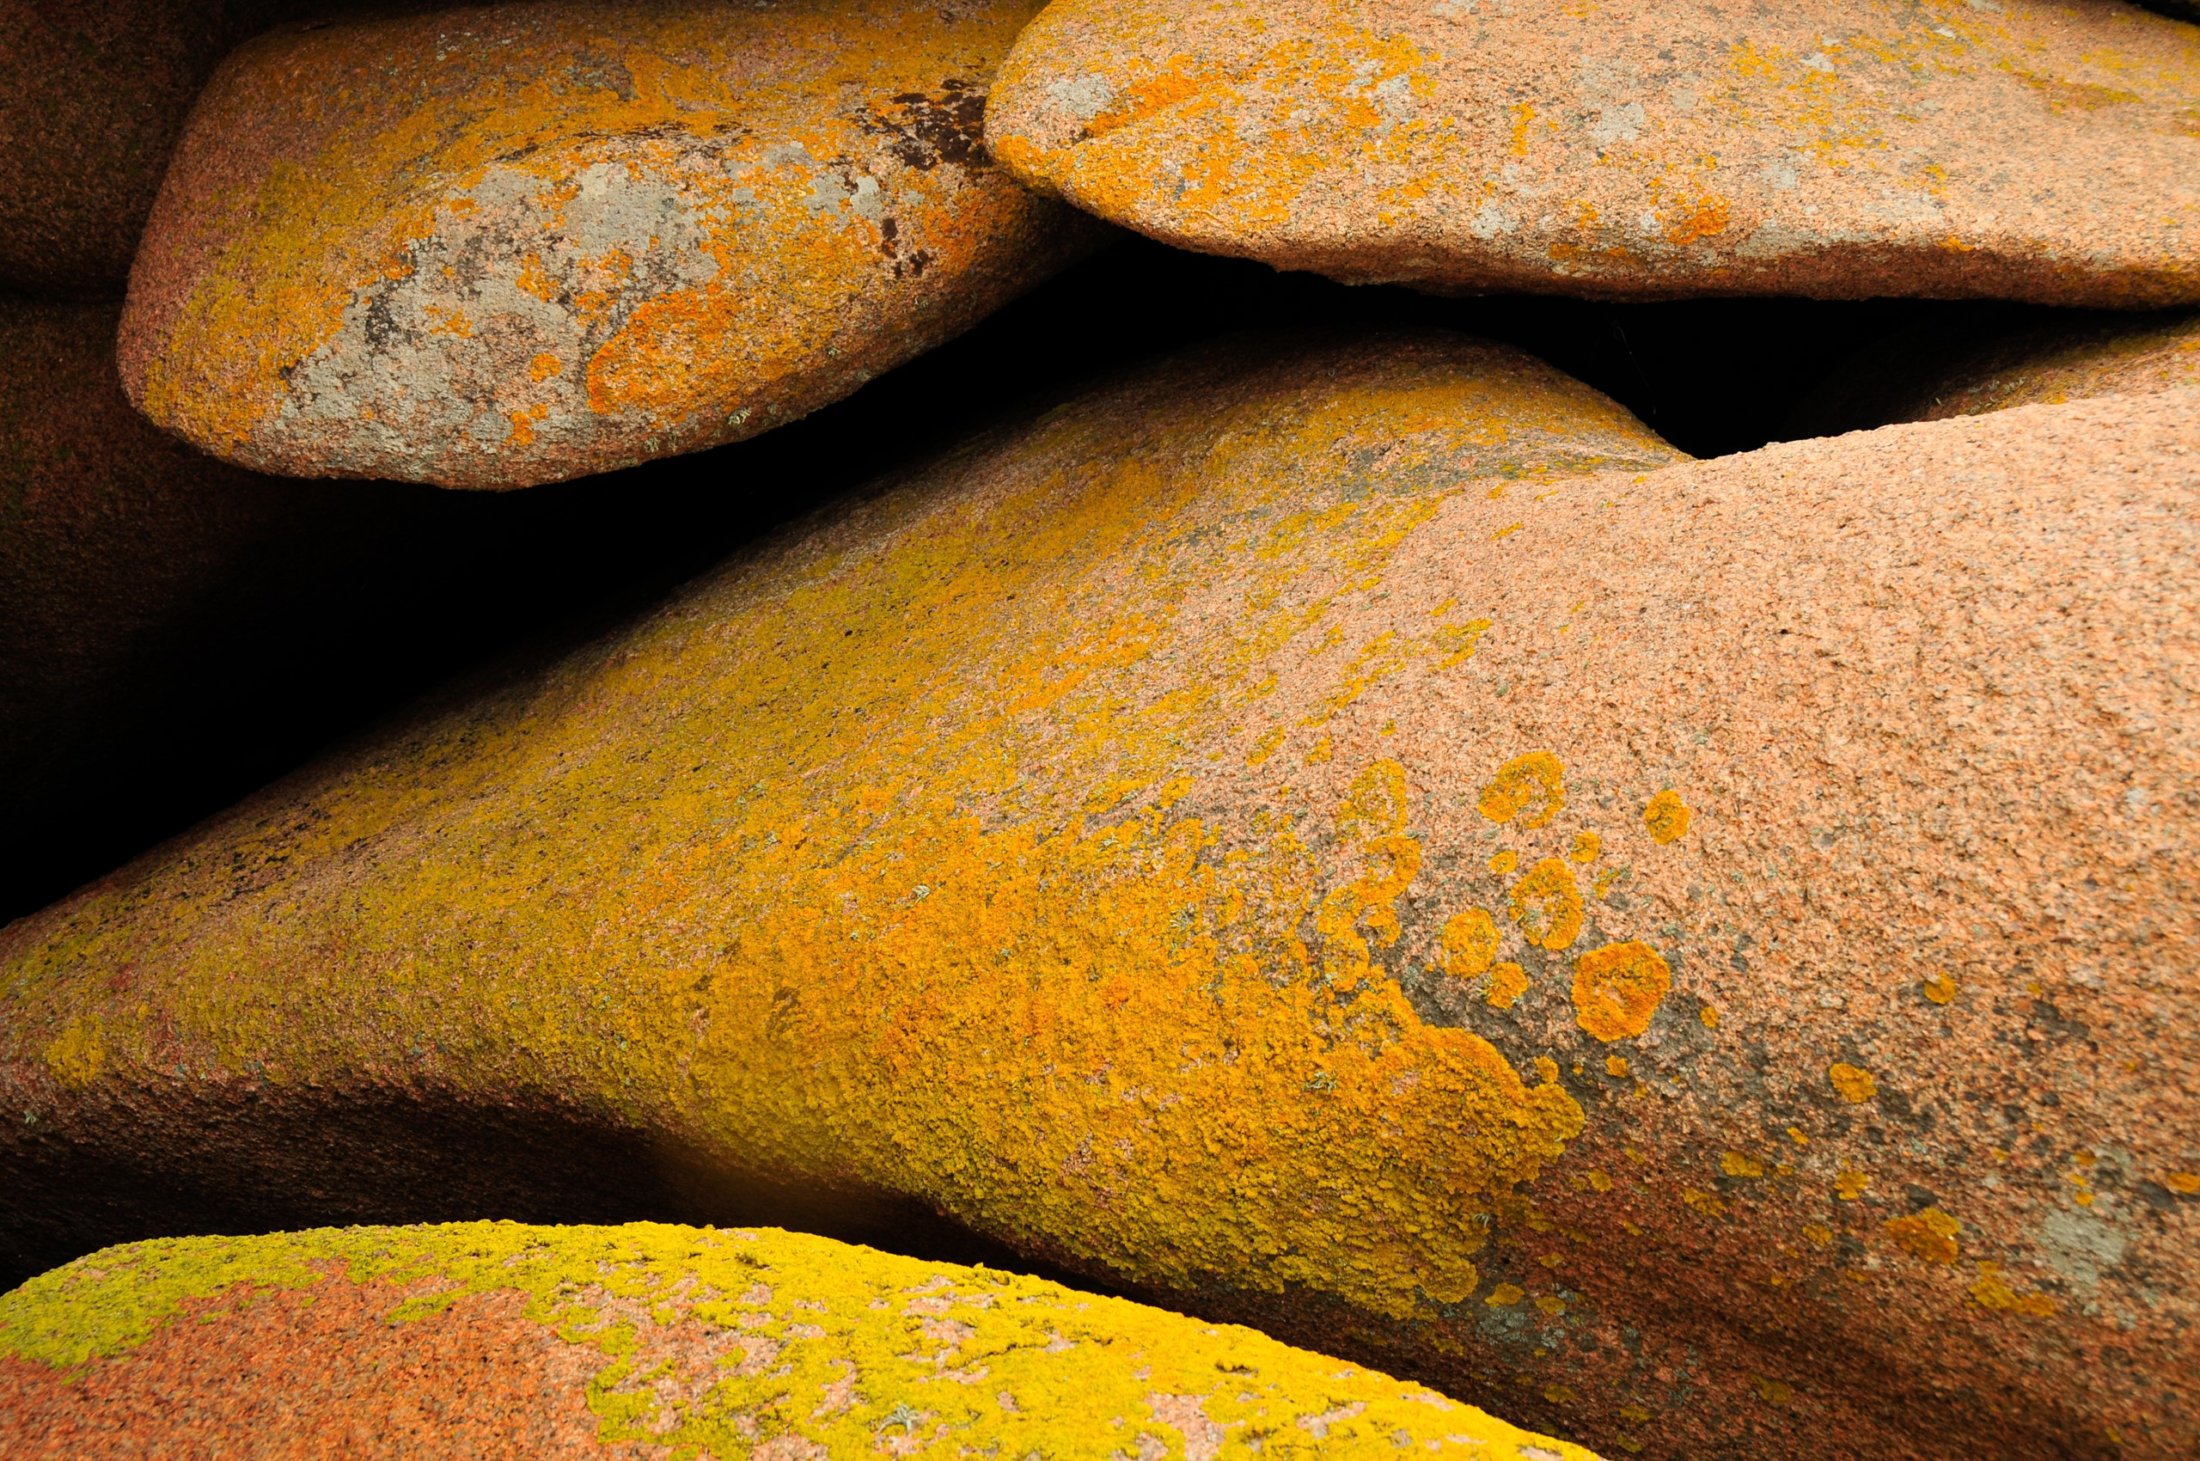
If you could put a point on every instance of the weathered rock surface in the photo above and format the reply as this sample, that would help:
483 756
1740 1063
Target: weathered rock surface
137 577
2027 149
647 1340
92 99
498 246
1352 838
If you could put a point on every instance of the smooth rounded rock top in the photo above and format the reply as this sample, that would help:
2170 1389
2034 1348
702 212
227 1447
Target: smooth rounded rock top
499 246
2028 149
652 1340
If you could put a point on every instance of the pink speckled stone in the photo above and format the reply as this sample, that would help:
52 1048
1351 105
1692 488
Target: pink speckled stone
2031 149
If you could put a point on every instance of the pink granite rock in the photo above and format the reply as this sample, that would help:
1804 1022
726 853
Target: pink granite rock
2032 149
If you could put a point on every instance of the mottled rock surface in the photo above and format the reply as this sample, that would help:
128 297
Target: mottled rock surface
504 245
1355 838
648 1340
92 98
2026 149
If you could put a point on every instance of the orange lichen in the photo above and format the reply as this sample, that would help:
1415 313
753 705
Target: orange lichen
903 856
1547 905
1529 789
1666 817
1940 988
1503 861
724 312
2185 1183
1929 1234
1707 219
1470 943
1617 989
1850 1184
1853 1082
1587 847
1989 1291
1508 981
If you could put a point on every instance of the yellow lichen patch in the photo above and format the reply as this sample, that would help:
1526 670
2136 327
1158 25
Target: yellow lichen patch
1773 1392
1929 1234
1505 1295
858 1343
1708 1016
1529 790
1616 1066
1818 1235
1855 1083
1940 988
1666 817
1470 943
1850 1184
1617 989
1710 1204
1587 847
1508 981
76 1054
1990 1291
2184 1183
1503 861
1547 905
1734 1164
913 853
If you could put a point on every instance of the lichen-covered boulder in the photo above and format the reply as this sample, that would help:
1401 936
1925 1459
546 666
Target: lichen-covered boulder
92 98
649 1340
2034 149
497 246
1355 838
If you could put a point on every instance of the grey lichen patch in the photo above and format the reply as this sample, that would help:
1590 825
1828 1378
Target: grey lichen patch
481 348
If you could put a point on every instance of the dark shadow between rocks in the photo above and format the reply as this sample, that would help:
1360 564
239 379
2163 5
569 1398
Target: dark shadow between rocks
240 1157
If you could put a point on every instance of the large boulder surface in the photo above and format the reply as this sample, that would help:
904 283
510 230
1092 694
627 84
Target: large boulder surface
498 246
2034 149
1353 838
645 1340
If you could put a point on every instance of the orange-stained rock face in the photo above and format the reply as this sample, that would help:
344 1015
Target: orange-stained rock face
2033 149
493 1339
499 246
1352 837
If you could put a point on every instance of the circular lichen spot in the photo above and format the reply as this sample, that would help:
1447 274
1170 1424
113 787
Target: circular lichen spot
1618 988
1853 1082
1666 816
1508 982
1929 1234
1470 943
1529 789
1547 905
